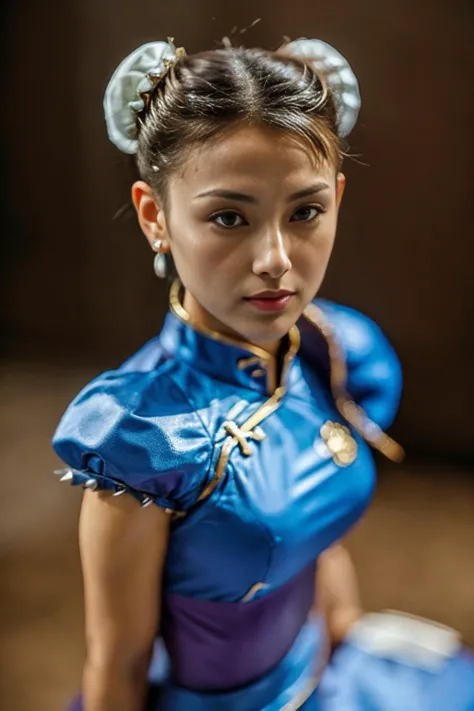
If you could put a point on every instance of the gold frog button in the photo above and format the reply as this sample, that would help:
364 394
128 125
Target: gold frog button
340 443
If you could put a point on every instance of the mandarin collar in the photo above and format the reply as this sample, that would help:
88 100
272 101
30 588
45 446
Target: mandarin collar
222 357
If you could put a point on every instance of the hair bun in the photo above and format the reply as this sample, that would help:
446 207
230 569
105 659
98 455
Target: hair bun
338 73
127 90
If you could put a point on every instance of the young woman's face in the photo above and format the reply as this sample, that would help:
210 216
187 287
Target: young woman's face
251 223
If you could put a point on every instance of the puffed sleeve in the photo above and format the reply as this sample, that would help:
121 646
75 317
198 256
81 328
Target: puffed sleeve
135 433
374 375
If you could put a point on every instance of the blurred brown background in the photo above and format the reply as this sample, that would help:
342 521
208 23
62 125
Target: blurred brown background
78 293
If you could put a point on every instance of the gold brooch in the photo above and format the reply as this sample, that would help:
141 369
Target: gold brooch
340 442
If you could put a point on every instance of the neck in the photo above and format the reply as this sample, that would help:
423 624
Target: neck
204 319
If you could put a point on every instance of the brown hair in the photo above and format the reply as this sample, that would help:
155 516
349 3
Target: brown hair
206 93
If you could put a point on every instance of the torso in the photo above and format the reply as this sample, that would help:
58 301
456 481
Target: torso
260 477
276 509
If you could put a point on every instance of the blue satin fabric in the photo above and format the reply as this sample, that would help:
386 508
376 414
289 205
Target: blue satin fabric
156 427
358 681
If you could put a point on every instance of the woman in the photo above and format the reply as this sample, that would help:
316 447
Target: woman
241 456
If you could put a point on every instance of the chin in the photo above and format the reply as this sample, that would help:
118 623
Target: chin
267 329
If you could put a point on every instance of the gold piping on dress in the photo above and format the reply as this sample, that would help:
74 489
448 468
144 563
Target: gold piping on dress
253 591
244 363
235 411
242 436
235 439
351 412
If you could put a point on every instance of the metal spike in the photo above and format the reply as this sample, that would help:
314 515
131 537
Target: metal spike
121 490
69 476
146 501
61 472
91 484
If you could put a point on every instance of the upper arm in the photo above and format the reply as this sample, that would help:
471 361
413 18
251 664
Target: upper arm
123 548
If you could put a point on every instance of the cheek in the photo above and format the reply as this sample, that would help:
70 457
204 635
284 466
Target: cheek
196 246
208 257
312 255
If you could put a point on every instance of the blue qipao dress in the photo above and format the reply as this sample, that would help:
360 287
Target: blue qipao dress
263 464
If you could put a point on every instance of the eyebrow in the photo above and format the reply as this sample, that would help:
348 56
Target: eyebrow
228 195
242 197
307 192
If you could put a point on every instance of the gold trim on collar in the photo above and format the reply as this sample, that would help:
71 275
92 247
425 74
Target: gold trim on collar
260 357
351 412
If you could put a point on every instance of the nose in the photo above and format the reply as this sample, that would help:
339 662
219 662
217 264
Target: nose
272 257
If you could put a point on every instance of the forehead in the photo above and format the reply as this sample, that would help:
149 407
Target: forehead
254 155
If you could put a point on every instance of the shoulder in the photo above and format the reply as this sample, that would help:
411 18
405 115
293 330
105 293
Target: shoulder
136 427
374 374
357 334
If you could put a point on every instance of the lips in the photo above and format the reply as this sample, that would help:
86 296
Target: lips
271 301
271 294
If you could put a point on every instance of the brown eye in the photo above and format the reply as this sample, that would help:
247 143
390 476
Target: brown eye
308 213
228 219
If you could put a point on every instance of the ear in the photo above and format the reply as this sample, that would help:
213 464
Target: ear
340 187
150 214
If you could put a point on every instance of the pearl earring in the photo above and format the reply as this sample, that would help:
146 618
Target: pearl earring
160 265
